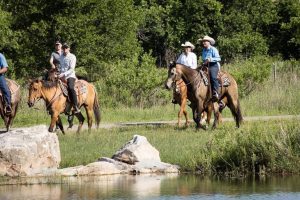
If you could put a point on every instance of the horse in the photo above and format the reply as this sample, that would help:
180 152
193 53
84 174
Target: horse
57 102
15 100
199 94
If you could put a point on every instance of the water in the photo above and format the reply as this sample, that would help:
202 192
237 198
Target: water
143 187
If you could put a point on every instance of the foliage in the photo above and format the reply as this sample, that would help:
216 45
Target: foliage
249 73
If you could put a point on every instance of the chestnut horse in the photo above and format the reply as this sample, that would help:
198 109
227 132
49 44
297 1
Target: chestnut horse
57 102
199 94
15 100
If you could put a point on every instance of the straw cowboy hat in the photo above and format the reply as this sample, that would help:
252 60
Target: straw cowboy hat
188 44
207 38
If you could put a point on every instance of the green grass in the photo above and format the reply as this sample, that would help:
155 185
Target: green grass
257 147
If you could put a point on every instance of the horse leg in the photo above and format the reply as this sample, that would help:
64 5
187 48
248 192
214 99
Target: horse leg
208 114
81 120
198 116
89 113
54 118
216 114
70 120
60 125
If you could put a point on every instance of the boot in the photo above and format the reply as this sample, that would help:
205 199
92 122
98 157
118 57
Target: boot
215 96
8 110
76 110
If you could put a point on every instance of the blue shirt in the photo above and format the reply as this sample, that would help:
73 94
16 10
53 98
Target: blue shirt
3 62
212 53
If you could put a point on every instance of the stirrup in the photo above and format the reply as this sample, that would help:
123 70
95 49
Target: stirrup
7 110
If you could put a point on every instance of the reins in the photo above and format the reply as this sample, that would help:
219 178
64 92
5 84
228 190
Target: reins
186 84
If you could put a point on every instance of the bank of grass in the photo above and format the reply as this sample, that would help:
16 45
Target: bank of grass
257 147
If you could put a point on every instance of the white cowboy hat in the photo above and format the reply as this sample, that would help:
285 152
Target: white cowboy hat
188 44
207 38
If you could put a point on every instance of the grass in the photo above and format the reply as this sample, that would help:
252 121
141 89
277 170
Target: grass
257 147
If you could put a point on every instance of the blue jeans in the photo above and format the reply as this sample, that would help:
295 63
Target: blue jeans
5 91
213 74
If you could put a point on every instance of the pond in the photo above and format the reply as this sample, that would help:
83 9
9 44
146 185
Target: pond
156 187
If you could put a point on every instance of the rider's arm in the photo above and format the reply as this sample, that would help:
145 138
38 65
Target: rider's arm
3 70
4 65
215 57
194 61
72 66
51 61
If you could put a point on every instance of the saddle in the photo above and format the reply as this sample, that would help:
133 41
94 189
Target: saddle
223 78
13 88
80 89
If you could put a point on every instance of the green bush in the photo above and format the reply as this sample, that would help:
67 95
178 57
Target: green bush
250 73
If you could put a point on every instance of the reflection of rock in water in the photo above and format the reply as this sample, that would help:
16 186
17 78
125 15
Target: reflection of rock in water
16 192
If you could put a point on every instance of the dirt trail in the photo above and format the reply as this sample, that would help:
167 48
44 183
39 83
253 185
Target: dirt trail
174 122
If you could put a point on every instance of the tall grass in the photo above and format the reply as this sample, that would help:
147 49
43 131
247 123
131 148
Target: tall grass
257 147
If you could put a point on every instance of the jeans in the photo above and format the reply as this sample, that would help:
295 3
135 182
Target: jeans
71 90
213 74
5 91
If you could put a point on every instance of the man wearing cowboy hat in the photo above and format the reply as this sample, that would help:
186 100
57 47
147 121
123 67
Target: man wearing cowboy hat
67 71
211 59
188 58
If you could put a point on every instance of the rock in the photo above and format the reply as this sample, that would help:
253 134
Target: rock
137 150
28 151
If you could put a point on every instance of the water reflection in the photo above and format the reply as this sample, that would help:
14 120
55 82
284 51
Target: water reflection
155 187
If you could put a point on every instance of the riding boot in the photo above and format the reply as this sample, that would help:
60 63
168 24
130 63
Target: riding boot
8 110
215 96
76 109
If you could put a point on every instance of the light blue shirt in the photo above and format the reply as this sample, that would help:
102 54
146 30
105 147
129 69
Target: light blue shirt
211 53
3 62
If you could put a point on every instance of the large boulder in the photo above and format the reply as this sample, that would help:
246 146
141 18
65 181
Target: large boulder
137 150
28 151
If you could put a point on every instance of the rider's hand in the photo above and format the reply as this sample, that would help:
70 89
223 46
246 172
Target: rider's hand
61 75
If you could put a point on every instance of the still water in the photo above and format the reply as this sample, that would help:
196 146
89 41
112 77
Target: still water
153 187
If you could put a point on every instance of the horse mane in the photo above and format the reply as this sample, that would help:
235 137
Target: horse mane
49 84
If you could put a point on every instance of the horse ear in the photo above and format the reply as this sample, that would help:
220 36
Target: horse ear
172 64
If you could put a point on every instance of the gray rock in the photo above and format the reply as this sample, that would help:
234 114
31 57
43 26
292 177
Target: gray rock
28 151
137 150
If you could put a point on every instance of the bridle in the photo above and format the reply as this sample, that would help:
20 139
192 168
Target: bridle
185 84
55 96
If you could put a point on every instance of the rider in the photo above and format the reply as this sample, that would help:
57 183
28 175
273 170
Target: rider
3 85
188 58
211 59
67 71
55 55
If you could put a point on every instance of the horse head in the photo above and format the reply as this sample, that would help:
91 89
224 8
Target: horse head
35 92
173 76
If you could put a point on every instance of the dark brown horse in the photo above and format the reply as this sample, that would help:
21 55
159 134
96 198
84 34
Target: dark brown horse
57 102
15 100
199 93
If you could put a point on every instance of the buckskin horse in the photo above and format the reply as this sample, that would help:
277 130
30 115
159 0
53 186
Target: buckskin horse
56 101
199 93
15 100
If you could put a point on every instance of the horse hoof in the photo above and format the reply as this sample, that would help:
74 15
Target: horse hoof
50 130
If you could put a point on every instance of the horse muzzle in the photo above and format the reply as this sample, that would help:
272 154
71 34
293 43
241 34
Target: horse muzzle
30 104
168 85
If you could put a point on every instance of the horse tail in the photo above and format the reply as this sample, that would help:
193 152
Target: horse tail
96 108
239 117
235 108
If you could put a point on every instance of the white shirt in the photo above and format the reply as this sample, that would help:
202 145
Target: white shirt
67 65
189 60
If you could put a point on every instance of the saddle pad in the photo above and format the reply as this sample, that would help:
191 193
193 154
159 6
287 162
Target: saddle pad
13 88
